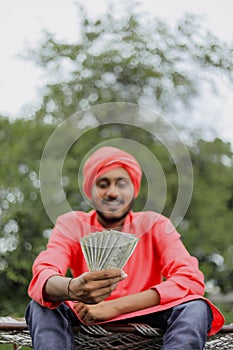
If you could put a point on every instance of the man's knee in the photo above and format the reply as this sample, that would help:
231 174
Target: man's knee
31 309
37 313
197 311
197 307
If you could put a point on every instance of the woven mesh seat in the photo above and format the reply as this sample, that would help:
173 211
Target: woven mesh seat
110 336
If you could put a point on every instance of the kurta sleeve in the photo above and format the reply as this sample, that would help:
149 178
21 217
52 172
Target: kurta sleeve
55 260
179 269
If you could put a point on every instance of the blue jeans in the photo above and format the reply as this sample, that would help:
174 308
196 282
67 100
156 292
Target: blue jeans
185 326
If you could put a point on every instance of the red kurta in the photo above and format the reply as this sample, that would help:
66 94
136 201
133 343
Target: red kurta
159 261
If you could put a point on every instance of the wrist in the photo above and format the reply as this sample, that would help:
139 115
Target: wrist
70 294
56 288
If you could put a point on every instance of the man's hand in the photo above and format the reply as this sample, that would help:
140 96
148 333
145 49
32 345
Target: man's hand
109 309
94 287
96 313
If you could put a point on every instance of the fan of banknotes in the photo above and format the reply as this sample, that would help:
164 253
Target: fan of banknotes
107 249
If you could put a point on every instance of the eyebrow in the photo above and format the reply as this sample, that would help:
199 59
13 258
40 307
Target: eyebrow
107 179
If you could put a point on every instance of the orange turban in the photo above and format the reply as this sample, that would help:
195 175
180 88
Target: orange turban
106 159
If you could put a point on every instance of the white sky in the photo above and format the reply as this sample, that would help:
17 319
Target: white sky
21 22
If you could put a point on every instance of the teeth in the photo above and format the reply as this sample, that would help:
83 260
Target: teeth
112 203
107 249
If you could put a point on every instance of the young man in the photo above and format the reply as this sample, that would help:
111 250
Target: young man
161 284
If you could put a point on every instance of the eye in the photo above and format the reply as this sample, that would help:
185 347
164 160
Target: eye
122 183
102 184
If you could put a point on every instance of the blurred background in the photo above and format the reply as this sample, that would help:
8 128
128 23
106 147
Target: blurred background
62 57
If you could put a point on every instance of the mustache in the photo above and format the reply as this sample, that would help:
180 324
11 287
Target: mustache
113 200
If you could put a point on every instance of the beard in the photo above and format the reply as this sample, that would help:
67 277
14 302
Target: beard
115 219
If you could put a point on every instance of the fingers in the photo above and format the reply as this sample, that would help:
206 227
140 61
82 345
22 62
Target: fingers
123 274
91 281
94 287
89 285
102 275
96 296
83 312
81 309
87 315
102 279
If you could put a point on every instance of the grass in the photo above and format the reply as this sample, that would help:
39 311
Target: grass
10 347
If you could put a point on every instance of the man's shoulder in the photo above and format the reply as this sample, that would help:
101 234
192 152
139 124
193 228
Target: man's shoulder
73 215
151 220
73 223
71 218
145 221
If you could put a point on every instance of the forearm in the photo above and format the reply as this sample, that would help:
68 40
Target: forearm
135 302
112 308
56 289
89 288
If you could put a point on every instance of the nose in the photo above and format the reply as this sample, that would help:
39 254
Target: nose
112 191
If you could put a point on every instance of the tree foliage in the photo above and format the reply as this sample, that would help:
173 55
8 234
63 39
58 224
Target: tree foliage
117 59
131 58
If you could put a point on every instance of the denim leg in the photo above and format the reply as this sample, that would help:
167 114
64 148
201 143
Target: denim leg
187 326
50 329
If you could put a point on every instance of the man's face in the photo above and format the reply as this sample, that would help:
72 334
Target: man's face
112 197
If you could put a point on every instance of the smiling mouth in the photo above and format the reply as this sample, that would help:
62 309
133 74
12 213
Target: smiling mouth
113 206
113 203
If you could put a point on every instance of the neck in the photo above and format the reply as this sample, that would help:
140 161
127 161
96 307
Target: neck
117 225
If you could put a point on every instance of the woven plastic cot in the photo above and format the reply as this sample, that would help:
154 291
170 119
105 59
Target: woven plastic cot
109 336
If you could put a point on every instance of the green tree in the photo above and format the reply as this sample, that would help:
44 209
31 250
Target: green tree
209 218
130 59
23 219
